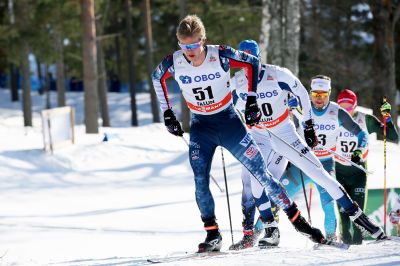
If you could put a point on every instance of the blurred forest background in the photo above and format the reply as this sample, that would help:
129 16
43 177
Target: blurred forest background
101 46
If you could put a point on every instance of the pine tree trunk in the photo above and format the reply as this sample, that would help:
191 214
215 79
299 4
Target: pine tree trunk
265 30
276 33
47 87
58 43
102 79
22 10
149 54
90 66
383 56
185 113
292 36
12 67
39 75
284 41
118 56
14 82
131 65
26 86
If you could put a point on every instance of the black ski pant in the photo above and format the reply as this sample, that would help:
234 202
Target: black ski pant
354 182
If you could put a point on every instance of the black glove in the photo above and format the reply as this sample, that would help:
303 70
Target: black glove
309 134
252 113
173 126
356 157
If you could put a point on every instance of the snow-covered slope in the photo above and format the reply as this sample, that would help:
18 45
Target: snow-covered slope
124 201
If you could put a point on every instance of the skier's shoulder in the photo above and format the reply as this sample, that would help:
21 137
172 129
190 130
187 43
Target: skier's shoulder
164 66
334 105
284 77
177 55
212 49
276 70
282 72
362 115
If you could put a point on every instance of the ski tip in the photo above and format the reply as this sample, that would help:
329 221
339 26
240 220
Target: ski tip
153 261
333 244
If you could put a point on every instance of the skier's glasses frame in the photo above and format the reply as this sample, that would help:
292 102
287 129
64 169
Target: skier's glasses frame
322 94
191 46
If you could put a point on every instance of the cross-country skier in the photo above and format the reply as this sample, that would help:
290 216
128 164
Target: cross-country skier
249 202
353 179
274 85
202 73
394 214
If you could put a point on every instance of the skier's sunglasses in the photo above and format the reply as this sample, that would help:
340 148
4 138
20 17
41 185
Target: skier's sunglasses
192 46
321 94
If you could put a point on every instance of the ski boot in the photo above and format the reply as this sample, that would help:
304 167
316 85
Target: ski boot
302 226
213 241
247 241
365 224
271 237
331 237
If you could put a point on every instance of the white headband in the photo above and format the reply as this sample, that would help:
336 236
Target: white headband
320 85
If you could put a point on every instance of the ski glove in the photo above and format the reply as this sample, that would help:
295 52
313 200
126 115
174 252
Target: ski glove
385 111
356 157
386 108
173 126
309 133
252 113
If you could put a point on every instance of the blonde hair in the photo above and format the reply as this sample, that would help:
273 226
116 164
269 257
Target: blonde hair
191 26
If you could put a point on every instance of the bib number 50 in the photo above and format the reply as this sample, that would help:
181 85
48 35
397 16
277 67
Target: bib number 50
266 108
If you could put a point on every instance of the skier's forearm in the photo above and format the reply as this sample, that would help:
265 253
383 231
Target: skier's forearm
376 126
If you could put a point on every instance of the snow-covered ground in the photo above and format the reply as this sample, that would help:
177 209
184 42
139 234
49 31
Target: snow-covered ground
131 199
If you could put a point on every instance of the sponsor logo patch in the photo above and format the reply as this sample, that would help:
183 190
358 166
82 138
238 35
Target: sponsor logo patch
296 143
325 127
195 155
359 190
285 182
278 160
304 150
194 145
246 140
185 79
251 152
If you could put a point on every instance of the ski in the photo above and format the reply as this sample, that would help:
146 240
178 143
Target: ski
188 255
268 247
185 256
331 243
389 238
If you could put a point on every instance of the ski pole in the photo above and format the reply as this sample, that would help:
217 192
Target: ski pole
284 142
227 193
347 160
213 179
280 140
305 196
309 206
384 169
